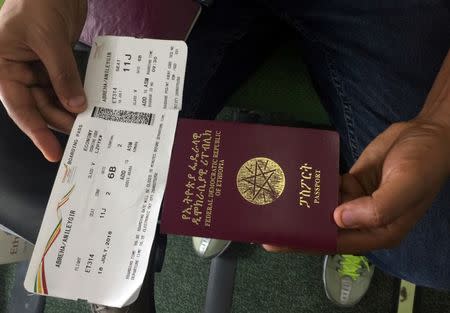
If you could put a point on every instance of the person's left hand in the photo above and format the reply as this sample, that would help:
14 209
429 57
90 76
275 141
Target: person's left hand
391 186
40 86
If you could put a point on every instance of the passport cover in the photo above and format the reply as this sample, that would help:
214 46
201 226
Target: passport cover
253 183
158 19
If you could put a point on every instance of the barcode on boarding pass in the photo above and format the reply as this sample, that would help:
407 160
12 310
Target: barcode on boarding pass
123 116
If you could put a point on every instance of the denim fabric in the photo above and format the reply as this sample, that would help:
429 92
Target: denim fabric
372 63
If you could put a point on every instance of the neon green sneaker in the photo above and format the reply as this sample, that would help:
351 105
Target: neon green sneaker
346 278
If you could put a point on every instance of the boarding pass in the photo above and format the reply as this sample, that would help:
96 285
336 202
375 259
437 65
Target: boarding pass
100 221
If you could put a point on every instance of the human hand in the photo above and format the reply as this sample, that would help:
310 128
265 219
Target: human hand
391 186
40 85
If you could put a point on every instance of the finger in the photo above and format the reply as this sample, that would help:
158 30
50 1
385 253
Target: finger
360 241
350 188
367 169
397 194
276 249
20 105
55 117
17 71
58 58
42 74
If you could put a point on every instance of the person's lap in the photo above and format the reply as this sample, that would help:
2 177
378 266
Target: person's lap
373 64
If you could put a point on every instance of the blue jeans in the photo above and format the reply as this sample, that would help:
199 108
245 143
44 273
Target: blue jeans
372 63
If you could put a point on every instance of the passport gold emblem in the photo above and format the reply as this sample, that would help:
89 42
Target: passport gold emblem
260 181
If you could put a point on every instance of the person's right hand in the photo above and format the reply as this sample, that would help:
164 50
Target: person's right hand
40 86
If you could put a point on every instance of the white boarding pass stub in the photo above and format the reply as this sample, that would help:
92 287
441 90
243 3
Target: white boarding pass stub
128 73
99 225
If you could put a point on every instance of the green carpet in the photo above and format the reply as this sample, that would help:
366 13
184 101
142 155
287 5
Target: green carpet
53 305
265 282
271 283
282 85
6 283
62 306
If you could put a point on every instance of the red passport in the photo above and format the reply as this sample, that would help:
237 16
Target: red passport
253 183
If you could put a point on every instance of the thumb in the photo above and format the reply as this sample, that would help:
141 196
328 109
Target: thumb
362 212
58 58
395 196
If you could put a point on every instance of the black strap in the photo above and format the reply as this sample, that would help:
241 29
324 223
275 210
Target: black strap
219 294
147 296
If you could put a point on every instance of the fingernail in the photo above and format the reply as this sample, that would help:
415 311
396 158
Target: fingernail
77 102
348 219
